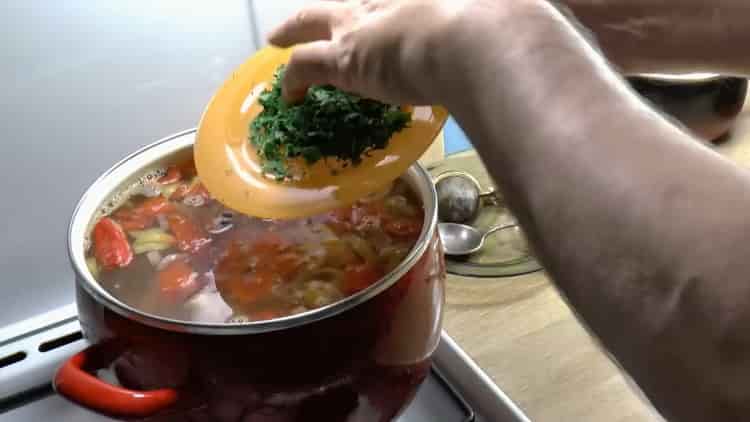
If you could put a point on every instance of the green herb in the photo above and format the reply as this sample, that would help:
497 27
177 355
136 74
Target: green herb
328 123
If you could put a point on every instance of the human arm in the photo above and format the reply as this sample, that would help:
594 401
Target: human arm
670 36
640 227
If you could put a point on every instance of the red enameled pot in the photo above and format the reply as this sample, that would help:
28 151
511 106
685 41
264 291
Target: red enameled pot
361 359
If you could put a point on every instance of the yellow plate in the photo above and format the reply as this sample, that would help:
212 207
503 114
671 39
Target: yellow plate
229 167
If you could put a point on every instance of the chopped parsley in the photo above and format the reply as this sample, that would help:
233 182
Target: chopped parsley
328 123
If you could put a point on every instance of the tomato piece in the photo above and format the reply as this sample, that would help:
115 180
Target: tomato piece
187 168
111 247
190 189
247 272
269 242
180 192
144 215
190 236
403 227
271 252
251 287
178 281
230 261
286 264
199 190
155 206
131 222
360 277
234 260
173 175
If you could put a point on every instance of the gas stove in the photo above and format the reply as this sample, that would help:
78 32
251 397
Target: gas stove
457 390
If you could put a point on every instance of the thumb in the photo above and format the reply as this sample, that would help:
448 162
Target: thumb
310 64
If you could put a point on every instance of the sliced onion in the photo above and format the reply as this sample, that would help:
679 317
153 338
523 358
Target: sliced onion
150 190
145 247
207 305
194 201
162 220
221 223
154 257
168 260
210 280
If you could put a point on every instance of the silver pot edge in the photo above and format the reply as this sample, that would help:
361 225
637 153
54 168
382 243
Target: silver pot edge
156 155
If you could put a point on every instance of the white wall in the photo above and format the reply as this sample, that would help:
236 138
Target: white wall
85 82
272 12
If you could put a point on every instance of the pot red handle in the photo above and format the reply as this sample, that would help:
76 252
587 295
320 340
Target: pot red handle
74 383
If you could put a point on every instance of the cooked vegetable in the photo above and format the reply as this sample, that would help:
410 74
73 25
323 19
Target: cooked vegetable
190 237
205 262
398 205
328 123
172 175
403 227
285 264
361 247
155 235
154 257
165 261
178 281
360 277
391 256
319 293
144 247
245 289
144 214
168 190
221 223
111 246
338 253
193 188
92 266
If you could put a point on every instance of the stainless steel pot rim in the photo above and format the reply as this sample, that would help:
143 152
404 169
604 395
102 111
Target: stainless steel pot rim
697 77
106 185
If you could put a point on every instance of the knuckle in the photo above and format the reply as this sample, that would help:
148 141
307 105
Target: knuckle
301 17
370 5
344 16
344 59
344 65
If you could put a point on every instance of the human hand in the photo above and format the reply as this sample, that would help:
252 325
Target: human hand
398 51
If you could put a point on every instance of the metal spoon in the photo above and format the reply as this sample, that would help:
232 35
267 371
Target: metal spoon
460 239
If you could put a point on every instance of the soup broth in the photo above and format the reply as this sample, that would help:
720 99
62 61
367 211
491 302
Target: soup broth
173 251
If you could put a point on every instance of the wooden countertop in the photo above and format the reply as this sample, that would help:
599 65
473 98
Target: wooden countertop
526 338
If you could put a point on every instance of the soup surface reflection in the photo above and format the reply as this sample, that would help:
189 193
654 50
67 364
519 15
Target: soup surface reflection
173 251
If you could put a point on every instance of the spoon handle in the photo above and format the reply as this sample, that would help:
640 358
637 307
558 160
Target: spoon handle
489 194
500 227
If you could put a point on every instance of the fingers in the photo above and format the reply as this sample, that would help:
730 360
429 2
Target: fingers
310 64
313 23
